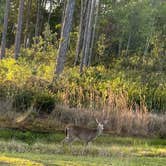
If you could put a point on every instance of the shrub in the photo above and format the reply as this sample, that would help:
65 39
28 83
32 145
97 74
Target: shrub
44 102
23 100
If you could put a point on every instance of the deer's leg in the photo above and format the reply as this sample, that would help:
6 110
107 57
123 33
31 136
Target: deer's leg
86 143
68 140
63 141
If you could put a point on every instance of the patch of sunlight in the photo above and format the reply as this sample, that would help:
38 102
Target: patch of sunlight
19 161
73 163
152 152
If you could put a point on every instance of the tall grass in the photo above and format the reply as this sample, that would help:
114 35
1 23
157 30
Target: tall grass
121 120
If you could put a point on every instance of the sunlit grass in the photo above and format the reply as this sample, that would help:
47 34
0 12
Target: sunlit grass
66 160
18 161
105 150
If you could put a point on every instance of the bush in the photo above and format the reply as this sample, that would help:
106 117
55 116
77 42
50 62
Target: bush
135 77
23 100
44 103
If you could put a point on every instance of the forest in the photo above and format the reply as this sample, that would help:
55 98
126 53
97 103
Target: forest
86 63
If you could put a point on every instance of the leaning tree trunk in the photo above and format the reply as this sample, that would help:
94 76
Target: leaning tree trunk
65 33
19 29
3 42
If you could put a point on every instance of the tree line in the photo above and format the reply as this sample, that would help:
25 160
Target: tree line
105 29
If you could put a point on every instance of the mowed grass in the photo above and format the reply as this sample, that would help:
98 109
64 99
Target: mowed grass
32 148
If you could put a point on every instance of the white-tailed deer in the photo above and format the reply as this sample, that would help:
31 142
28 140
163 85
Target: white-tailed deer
74 132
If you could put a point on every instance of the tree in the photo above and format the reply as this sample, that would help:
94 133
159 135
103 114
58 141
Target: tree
89 33
19 29
5 25
94 31
37 18
65 33
81 30
2 6
26 37
50 10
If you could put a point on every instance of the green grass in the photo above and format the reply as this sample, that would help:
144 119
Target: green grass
65 160
45 148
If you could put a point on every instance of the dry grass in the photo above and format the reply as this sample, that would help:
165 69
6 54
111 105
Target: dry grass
122 120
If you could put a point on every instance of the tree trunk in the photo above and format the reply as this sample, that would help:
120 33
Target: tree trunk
94 31
88 8
119 47
19 29
27 36
49 16
146 46
42 6
65 34
81 31
37 20
64 2
3 42
128 44
89 34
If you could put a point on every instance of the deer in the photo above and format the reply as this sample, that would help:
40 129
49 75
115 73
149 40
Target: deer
87 135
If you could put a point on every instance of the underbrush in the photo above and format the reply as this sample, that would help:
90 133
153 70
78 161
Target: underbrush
124 123
27 82
130 92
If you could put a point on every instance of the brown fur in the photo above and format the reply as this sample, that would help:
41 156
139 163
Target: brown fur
74 132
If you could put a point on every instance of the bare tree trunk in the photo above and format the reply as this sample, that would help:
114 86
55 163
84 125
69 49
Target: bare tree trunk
81 31
19 29
89 33
5 25
146 46
26 37
37 19
49 16
64 9
128 44
120 44
42 6
94 31
65 34
85 35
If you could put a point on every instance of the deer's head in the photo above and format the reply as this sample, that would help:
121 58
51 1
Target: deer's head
100 126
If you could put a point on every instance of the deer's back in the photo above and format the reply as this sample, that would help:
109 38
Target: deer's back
81 132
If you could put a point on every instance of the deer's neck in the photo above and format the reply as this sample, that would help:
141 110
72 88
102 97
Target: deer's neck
99 131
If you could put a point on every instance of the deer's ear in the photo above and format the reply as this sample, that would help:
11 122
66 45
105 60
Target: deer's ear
97 121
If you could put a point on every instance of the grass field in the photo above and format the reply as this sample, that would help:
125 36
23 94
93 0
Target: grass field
44 149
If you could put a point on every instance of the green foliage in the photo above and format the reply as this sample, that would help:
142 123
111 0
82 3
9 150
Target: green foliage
29 136
23 100
44 102
141 20
138 79
15 71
